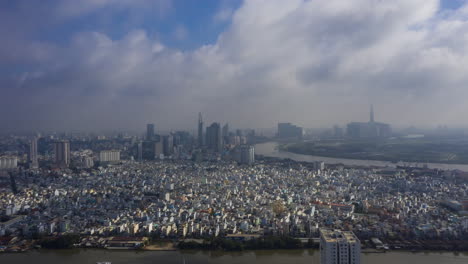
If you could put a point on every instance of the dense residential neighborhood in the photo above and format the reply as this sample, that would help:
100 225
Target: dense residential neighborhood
181 199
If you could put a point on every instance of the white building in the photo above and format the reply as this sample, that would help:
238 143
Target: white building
245 154
109 156
8 162
338 246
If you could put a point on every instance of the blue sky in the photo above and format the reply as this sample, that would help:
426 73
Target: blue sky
68 64
196 18
452 4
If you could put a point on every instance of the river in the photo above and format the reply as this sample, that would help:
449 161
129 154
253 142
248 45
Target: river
84 256
270 149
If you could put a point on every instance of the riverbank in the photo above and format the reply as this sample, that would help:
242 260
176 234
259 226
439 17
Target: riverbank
418 150
271 150
166 246
229 244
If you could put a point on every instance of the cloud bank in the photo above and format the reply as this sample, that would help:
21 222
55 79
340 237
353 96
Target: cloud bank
314 63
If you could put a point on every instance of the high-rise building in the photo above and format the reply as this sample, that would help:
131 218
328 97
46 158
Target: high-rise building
8 162
339 247
32 157
288 130
150 135
225 134
151 150
247 154
62 153
214 139
168 145
226 130
200 130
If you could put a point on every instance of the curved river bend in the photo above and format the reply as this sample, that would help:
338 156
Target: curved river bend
270 149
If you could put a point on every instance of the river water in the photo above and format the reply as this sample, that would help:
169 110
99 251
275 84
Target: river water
84 256
270 149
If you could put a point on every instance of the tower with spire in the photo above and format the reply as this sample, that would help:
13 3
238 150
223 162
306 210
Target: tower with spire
370 129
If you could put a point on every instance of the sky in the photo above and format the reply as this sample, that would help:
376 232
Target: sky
119 64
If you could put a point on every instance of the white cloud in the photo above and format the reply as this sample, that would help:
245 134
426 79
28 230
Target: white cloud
315 63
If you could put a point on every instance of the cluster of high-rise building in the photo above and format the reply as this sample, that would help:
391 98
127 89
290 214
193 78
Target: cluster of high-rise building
354 130
371 129
214 142
289 131
217 139
155 146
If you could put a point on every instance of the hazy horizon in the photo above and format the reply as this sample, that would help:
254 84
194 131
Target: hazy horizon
119 64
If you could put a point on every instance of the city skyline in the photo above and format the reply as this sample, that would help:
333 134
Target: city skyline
151 130
234 131
113 65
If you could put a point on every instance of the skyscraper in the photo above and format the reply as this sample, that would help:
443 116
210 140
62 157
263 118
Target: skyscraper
225 133
226 130
168 145
371 120
62 153
150 132
33 163
247 154
339 247
200 130
214 139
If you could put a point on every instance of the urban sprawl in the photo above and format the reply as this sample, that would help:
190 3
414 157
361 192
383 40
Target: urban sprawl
119 191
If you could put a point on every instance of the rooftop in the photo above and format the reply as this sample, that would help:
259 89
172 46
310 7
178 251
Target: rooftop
332 236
